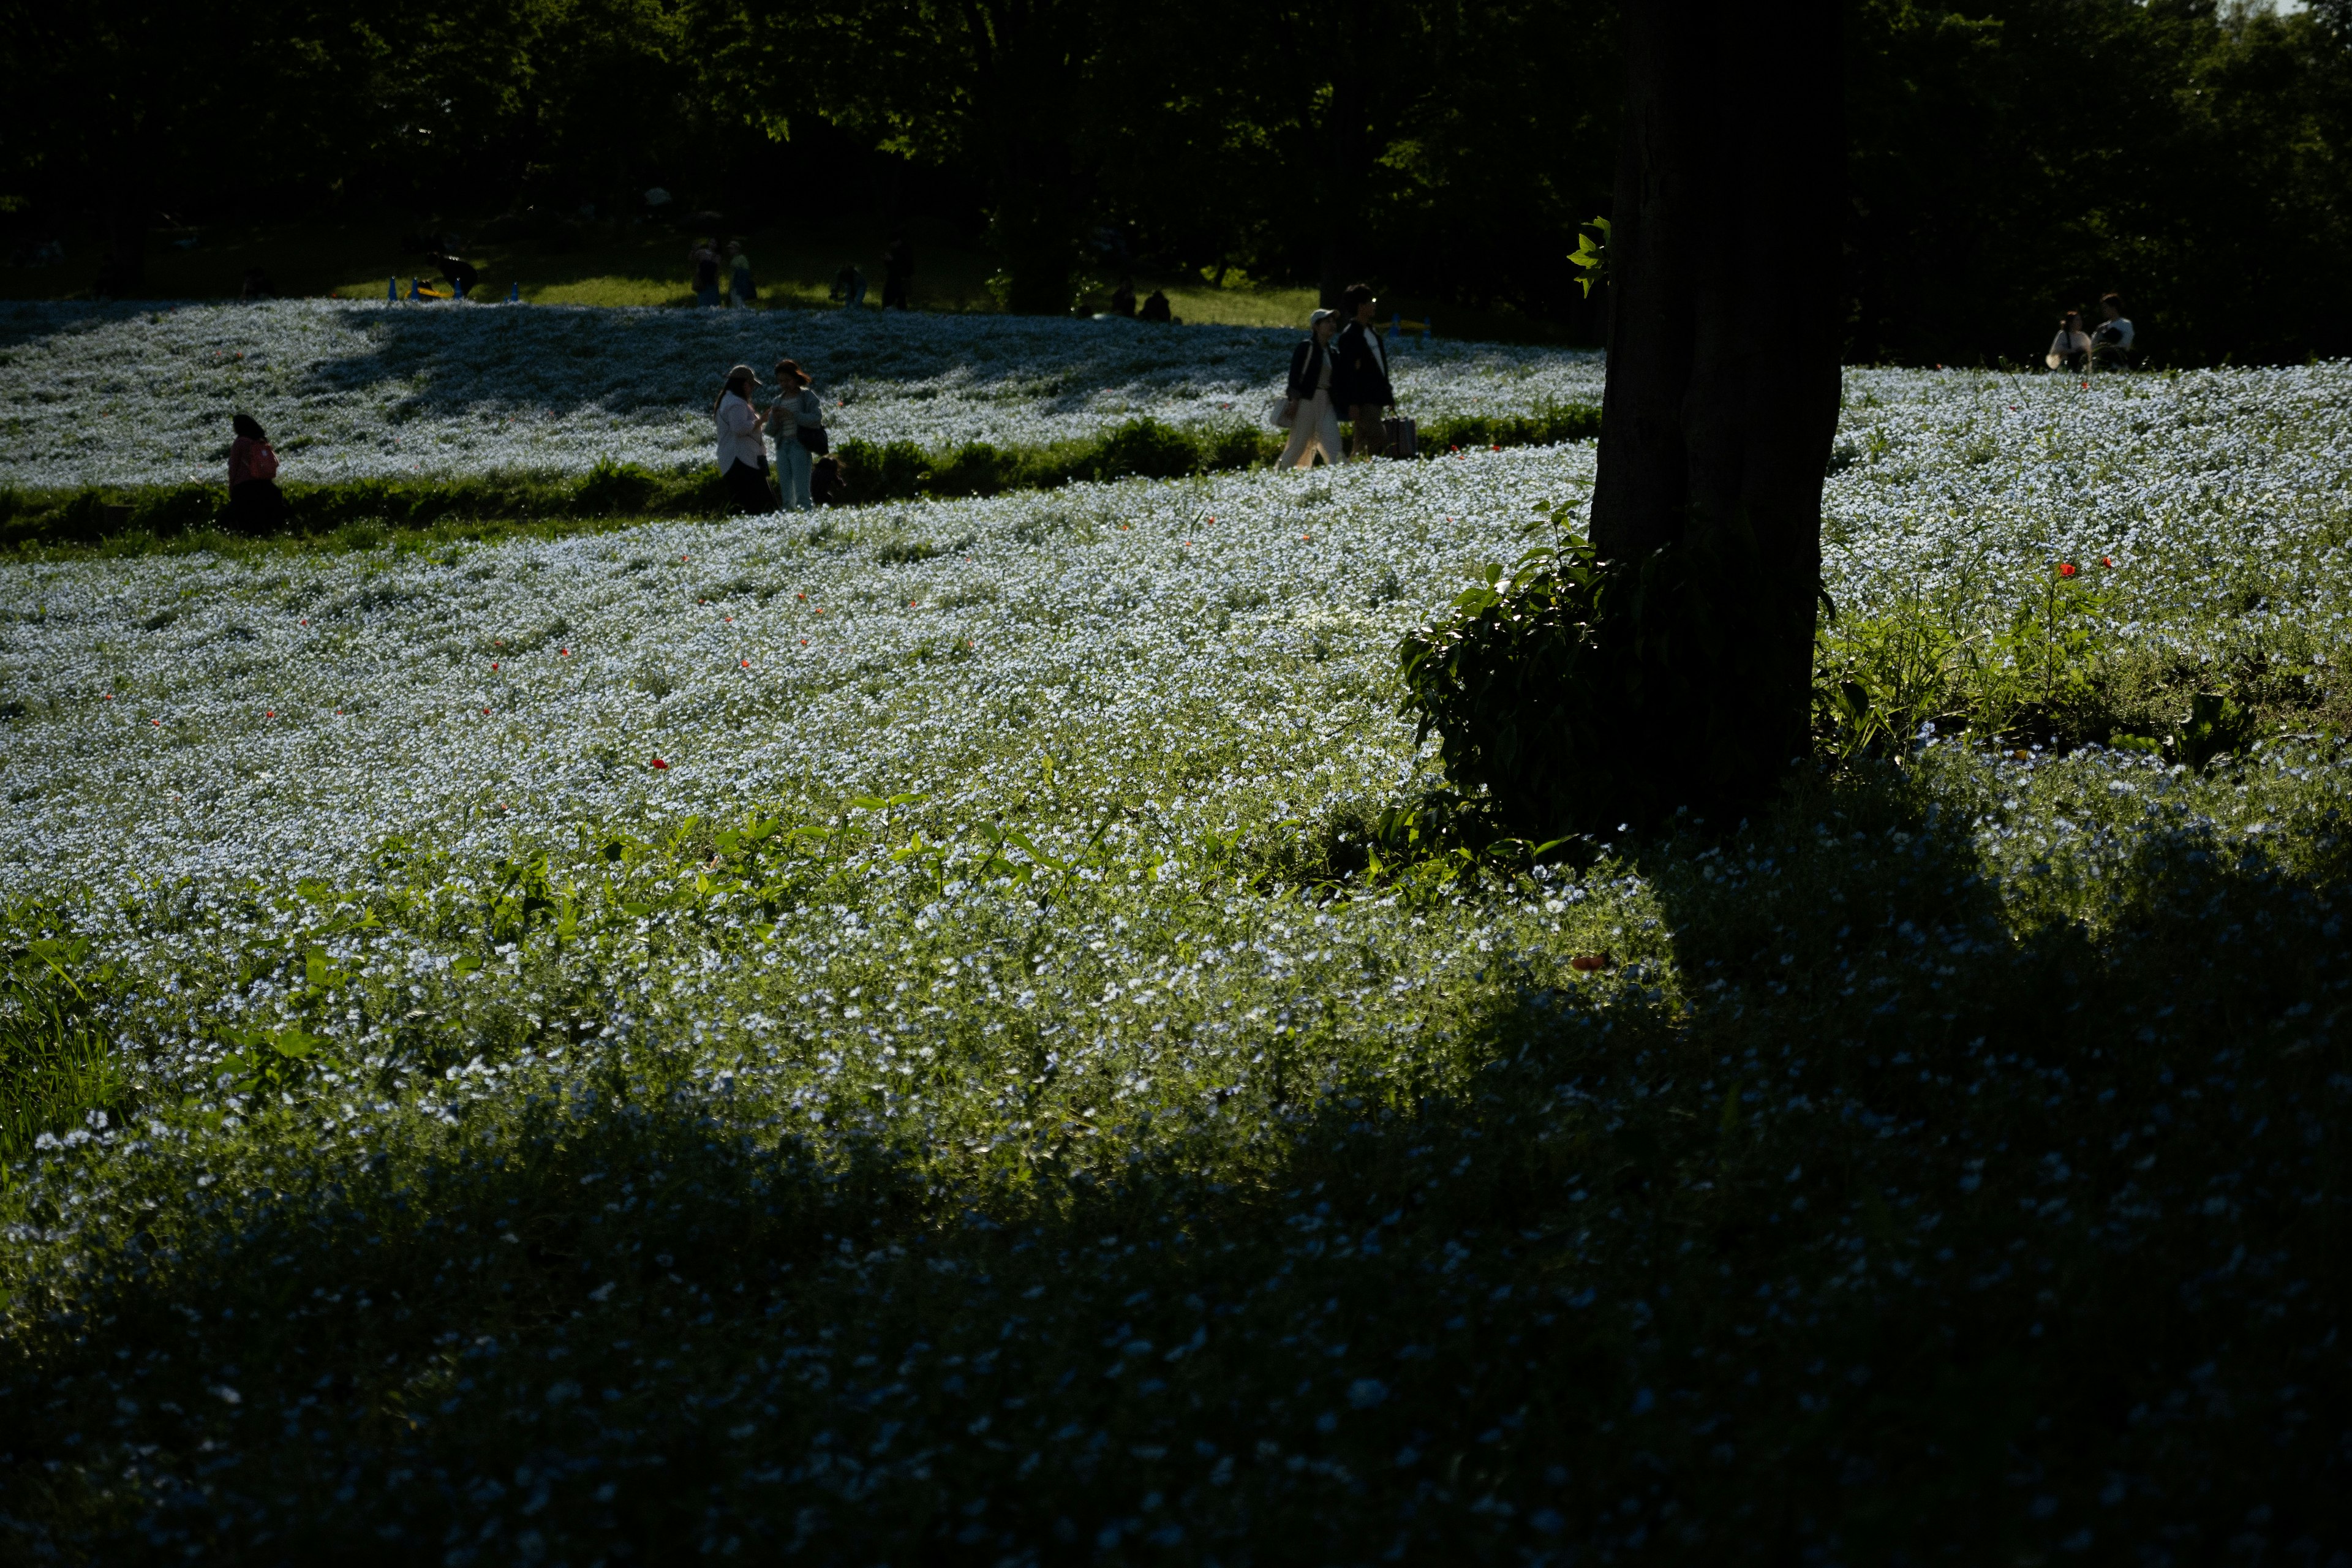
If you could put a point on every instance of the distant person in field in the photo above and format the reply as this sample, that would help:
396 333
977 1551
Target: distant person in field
740 289
1154 308
797 419
1359 376
256 504
742 455
256 285
898 274
829 481
1314 422
1122 299
2071 349
704 259
849 285
2111 345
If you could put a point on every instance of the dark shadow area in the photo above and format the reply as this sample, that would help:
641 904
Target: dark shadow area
1947 1235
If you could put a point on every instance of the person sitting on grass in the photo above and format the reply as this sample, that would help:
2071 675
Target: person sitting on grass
2111 345
742 454
256 504
1155 307
2071 349
704 259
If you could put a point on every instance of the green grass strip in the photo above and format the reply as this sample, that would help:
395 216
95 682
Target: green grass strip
357 513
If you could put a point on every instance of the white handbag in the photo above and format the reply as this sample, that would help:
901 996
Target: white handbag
1279 413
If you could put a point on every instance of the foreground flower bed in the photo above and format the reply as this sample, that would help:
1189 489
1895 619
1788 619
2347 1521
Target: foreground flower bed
898 1041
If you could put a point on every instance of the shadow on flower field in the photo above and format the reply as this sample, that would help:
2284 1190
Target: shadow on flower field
1927 1194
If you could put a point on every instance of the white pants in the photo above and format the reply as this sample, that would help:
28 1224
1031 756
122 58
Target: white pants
1316 426
793 467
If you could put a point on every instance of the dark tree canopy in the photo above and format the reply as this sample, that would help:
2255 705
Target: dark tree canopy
2007 159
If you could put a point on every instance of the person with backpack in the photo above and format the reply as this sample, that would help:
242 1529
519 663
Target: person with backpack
1307 399
1359 375
742 455
256 504
798 420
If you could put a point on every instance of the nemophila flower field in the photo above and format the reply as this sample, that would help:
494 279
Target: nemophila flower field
101 394
899 1033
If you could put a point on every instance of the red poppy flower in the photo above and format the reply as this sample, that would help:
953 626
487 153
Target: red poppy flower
659 764
1305 538
107 698
1494 448
272 713
159 723
306 620
565 652
803 642
494 663
800 595
2107 561
485 712
745 663
2066 569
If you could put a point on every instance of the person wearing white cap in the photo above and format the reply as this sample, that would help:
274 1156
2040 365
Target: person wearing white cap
1306 400
742 453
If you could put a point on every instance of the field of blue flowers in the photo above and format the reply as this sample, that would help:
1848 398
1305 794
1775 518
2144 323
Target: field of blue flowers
915 1034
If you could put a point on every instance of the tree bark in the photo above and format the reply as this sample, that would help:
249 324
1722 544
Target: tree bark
1722 398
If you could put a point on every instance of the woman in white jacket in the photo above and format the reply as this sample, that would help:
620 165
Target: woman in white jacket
742 455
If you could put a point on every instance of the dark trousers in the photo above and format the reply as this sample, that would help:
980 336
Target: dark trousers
895 292
747 487
255 506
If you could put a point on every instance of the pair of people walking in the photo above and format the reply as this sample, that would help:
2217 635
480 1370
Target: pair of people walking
1338 368
795 419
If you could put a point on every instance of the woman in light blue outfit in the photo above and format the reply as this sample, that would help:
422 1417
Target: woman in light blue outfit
798 421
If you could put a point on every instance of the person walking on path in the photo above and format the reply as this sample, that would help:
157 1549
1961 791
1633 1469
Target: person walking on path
1359 376
256 504
1314 423
740 289
898 274
2111 345
2071 349
798 420
704 259
742 455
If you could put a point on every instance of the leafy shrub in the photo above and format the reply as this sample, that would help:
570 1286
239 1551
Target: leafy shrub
1578 693
1147 448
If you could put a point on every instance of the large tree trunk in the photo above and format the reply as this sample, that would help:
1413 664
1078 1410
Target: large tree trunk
1722 399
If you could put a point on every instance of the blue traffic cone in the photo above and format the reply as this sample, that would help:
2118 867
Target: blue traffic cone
514 293
391 291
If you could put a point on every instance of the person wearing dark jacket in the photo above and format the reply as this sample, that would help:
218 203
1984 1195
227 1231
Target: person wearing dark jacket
1359 373
256 504
1307 399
